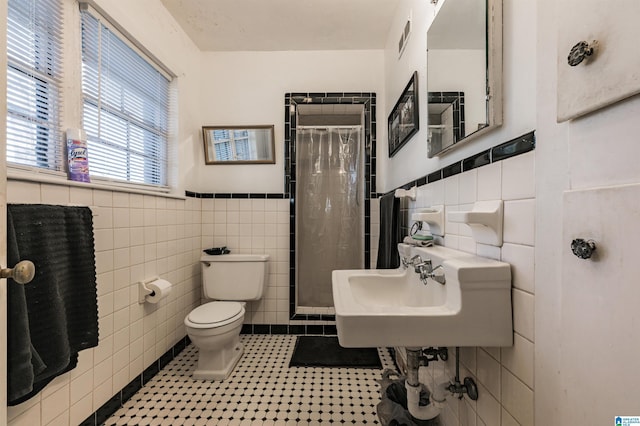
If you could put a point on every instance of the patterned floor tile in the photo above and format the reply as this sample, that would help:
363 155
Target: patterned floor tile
262 391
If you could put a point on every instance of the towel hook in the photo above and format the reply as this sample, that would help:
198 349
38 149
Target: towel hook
22 273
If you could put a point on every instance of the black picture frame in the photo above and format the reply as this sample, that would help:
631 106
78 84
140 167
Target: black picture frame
403 122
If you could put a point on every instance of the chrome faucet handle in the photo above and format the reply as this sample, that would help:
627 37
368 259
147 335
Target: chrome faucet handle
422 267
426 271
439 278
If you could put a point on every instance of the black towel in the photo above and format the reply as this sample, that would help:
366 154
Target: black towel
56 315
390 232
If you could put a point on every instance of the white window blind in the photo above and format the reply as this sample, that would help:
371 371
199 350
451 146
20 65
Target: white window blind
34 76
126 102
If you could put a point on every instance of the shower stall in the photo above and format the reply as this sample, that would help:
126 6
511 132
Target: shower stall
330 197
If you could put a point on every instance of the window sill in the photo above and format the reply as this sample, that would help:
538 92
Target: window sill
22 175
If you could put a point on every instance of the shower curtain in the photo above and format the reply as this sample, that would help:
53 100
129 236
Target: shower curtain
329 209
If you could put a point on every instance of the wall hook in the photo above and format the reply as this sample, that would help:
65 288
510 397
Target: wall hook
22 273
409 193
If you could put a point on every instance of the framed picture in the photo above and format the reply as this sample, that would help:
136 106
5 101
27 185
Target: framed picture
403 121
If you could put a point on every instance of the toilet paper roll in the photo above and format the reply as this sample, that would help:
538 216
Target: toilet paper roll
159 290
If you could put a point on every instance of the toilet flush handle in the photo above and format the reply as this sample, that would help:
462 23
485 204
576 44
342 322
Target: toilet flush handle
207 264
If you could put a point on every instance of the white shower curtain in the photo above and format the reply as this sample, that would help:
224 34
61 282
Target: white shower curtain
329 209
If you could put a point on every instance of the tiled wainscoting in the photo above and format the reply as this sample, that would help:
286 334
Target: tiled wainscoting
137 237
258 226
99 416
504 375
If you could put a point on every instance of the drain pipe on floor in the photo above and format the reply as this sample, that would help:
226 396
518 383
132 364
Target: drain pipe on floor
412 383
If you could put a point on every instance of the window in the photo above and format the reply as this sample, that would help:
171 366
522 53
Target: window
126 100
34 76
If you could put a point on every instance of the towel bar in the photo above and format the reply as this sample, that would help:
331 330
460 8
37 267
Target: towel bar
22 273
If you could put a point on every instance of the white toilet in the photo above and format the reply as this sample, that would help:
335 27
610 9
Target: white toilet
214 328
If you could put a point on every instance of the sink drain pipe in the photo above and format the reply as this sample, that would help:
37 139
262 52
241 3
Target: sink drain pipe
412 383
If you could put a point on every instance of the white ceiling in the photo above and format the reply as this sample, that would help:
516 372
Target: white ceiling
269 25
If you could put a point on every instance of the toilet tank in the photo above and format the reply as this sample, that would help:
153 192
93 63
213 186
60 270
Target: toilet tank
234 276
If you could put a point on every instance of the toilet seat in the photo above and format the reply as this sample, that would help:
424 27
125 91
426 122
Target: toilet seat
215 314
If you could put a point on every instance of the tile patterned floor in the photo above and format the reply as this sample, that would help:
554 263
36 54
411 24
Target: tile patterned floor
263 390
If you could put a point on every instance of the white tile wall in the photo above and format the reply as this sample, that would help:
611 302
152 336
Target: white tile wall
518 177
518 359
488 406
136 238
519 223
523 307
468 187
488 372
517 398
254 226
504 375
490 182
521 258
507 419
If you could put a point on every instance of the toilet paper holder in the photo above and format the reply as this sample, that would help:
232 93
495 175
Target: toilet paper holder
144 291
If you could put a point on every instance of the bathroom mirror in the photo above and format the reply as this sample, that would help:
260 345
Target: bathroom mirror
464 72
239 144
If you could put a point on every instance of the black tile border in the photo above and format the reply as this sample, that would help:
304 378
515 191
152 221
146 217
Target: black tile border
107 409
290 329
237 195
291 100
435 176
481 159
452 169
511 148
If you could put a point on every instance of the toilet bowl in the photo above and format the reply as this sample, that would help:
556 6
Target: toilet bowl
214 327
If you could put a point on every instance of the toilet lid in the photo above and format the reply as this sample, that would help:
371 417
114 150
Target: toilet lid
214 312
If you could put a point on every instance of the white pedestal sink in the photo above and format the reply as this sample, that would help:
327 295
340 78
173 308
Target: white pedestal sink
378 308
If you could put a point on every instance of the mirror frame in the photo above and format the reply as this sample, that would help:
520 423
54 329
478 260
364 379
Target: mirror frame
493 77
206 139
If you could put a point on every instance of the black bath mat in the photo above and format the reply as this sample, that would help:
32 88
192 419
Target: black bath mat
322 351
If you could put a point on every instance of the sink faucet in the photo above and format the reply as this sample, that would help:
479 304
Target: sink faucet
415 260
426 270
